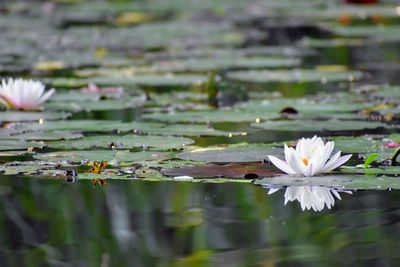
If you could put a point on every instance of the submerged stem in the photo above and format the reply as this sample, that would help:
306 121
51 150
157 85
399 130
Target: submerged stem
395 155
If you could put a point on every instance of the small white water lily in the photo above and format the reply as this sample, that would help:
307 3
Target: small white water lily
311 197
22 94
310 157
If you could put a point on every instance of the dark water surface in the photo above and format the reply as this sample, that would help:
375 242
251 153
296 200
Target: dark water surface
50 223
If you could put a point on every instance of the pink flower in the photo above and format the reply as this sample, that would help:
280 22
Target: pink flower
93 88
22 94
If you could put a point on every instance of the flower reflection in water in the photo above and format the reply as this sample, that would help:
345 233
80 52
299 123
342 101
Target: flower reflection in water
311 197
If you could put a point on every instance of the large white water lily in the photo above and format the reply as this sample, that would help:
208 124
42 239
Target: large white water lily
311 197
310 157
22 94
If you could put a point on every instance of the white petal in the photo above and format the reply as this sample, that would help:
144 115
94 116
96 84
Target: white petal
273 190
340 161
281 165
330 162
298 165
310 170
46 96
336 194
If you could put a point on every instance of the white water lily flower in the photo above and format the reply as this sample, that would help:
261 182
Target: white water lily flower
310 157
23 94
311 197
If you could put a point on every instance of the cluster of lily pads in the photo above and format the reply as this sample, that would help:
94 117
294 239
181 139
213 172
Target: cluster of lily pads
163 98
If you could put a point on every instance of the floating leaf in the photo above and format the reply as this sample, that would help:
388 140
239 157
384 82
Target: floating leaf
318 126
391 93
109 104
253 153
334 43
290 76
109 125
13 168
16 153
82 125
224 63
222 115
17 116
123 142
246 171
366 145
343 182
117 157
47 136
183 130
6 145
168 79
378 32
383 170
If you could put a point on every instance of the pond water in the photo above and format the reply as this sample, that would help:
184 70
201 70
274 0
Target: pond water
190 224
154 149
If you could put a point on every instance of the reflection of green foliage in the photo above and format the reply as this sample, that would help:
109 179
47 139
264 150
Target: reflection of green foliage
157 224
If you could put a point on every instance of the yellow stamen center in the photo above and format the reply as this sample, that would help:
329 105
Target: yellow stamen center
305 161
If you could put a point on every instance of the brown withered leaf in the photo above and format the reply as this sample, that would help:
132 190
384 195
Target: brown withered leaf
234 170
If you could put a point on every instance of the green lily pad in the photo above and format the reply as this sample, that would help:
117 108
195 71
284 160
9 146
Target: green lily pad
327 43
62 82
338 106
379 33
264 110
353 12
81 125
75 96
251 153
109 126
6 145
365 145
13 170
124 142
221 115
25 167
293 76
17 116
168 79
308 107
224 63
391 93
79 96
183 130
7 132
226 52
47 136
108 104
16 153
383 170
343 182
116 157
318 126
105 175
